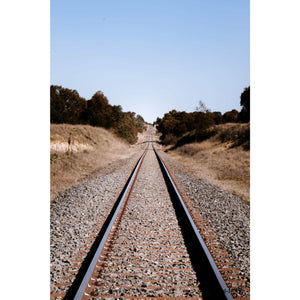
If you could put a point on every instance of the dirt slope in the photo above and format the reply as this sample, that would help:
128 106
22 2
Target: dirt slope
218 162
76 151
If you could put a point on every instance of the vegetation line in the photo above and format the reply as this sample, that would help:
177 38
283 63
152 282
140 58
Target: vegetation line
66 106
179 127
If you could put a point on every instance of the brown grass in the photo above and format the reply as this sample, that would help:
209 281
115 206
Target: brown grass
219 162
90 149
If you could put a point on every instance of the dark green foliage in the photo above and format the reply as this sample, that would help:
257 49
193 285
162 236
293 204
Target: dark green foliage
175 124
99 111
245 98
68 107
127 127
179 128
244 115
178 123
140 123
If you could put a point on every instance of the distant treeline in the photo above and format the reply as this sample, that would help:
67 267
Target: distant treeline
175 124
66 106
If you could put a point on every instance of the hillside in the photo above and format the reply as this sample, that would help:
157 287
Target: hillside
76 151
222 159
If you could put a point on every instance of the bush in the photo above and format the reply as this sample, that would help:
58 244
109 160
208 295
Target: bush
238 135
230 116
125 132
169 139
196 136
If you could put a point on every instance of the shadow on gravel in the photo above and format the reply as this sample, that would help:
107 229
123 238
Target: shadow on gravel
209 285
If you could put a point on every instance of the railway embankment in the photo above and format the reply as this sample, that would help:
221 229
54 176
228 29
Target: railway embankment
78 213
81 152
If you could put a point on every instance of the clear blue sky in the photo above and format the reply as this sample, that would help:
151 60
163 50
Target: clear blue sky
153 56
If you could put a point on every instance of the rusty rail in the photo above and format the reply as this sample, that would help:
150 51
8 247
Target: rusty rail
213 284
200 254
119 206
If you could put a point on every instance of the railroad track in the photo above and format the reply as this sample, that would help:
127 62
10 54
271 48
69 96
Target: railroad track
150 245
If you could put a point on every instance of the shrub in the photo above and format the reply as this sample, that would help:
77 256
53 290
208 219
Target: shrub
237 134
230 116
169 139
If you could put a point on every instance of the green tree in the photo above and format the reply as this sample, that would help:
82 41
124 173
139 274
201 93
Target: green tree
140 123
244 115
245 98
99 110
56 105
66 106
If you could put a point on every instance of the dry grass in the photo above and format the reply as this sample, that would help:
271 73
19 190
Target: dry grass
218 162
90 149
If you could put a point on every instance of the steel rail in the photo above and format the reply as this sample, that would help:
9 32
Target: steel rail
218 287
81 290
219 280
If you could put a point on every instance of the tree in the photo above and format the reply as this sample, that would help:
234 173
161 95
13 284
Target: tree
99 110
140 123
66 106
245 98
244 115
158 120
56 105
202 107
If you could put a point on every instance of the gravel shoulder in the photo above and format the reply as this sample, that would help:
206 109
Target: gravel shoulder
76 211
227 214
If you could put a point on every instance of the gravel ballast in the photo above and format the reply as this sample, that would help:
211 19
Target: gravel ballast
227 214
148 257
76 211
